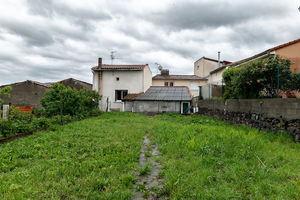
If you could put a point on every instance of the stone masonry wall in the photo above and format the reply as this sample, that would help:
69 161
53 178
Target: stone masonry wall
277 114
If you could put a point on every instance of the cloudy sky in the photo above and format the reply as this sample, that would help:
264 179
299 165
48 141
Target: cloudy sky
50 40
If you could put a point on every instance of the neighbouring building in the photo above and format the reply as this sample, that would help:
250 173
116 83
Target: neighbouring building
114 82
290 50
160 99
77 84
204 65
26 94
191 81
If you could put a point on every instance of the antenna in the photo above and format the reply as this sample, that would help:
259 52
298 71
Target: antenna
159 66
112 56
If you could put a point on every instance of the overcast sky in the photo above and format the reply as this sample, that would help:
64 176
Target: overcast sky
50 40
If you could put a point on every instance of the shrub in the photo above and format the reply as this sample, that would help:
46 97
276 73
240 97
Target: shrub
5 91
258 79
15 114
41 123
62 100
7 128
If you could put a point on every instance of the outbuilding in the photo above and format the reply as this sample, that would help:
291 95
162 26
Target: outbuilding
158 99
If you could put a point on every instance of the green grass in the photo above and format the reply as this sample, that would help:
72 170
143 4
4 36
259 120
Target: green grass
202 158
91 159
208 159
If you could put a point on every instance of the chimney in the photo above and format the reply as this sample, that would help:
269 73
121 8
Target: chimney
99 62
164 72
219 57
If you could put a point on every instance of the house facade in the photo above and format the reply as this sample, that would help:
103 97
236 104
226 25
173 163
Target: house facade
192 82
204 65
114 82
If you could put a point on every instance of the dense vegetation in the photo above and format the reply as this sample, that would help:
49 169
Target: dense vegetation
202 158
5 91
259 79
60 105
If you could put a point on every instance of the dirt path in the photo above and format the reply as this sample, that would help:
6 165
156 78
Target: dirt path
149 185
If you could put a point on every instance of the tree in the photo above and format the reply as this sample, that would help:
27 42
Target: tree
62 100
257 79
5 91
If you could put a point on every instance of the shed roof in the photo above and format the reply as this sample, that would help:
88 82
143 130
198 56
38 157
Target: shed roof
158 93
177 77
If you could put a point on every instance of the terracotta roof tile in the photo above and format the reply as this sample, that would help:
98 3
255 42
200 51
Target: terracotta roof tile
284 45
105 67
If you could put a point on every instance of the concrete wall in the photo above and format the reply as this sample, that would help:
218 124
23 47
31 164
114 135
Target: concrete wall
277 114
291 52
147 78
26 93
128 80
202 67
193 85
153 106
216 78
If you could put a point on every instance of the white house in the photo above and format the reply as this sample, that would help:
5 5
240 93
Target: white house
114 82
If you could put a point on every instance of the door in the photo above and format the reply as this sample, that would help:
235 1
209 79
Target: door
185 107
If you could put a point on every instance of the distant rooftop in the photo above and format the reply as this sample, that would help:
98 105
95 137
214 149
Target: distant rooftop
177 77
105 67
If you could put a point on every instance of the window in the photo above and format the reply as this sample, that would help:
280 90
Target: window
169 84
120 94
117 78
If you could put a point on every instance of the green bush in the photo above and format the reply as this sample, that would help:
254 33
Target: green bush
7 128
15 114
62 100
41 123
259 79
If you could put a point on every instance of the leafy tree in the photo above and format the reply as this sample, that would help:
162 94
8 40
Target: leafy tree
5 92
258 78
62 100
295 82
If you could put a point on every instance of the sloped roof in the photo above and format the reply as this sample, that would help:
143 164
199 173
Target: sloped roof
131 96
30 81
264 53
105 67
73 79
285 45
214 60
157 93
177 77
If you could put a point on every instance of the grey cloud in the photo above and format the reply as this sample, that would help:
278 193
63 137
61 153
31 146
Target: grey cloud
81 17
192 15
31 33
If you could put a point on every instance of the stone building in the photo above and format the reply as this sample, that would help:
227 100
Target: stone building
26 93
77 84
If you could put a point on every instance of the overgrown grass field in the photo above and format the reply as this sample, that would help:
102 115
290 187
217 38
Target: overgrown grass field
202 158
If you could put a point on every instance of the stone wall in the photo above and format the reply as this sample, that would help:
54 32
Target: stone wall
277 114
27 93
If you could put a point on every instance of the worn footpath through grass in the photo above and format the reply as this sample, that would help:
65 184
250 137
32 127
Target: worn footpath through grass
201 158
